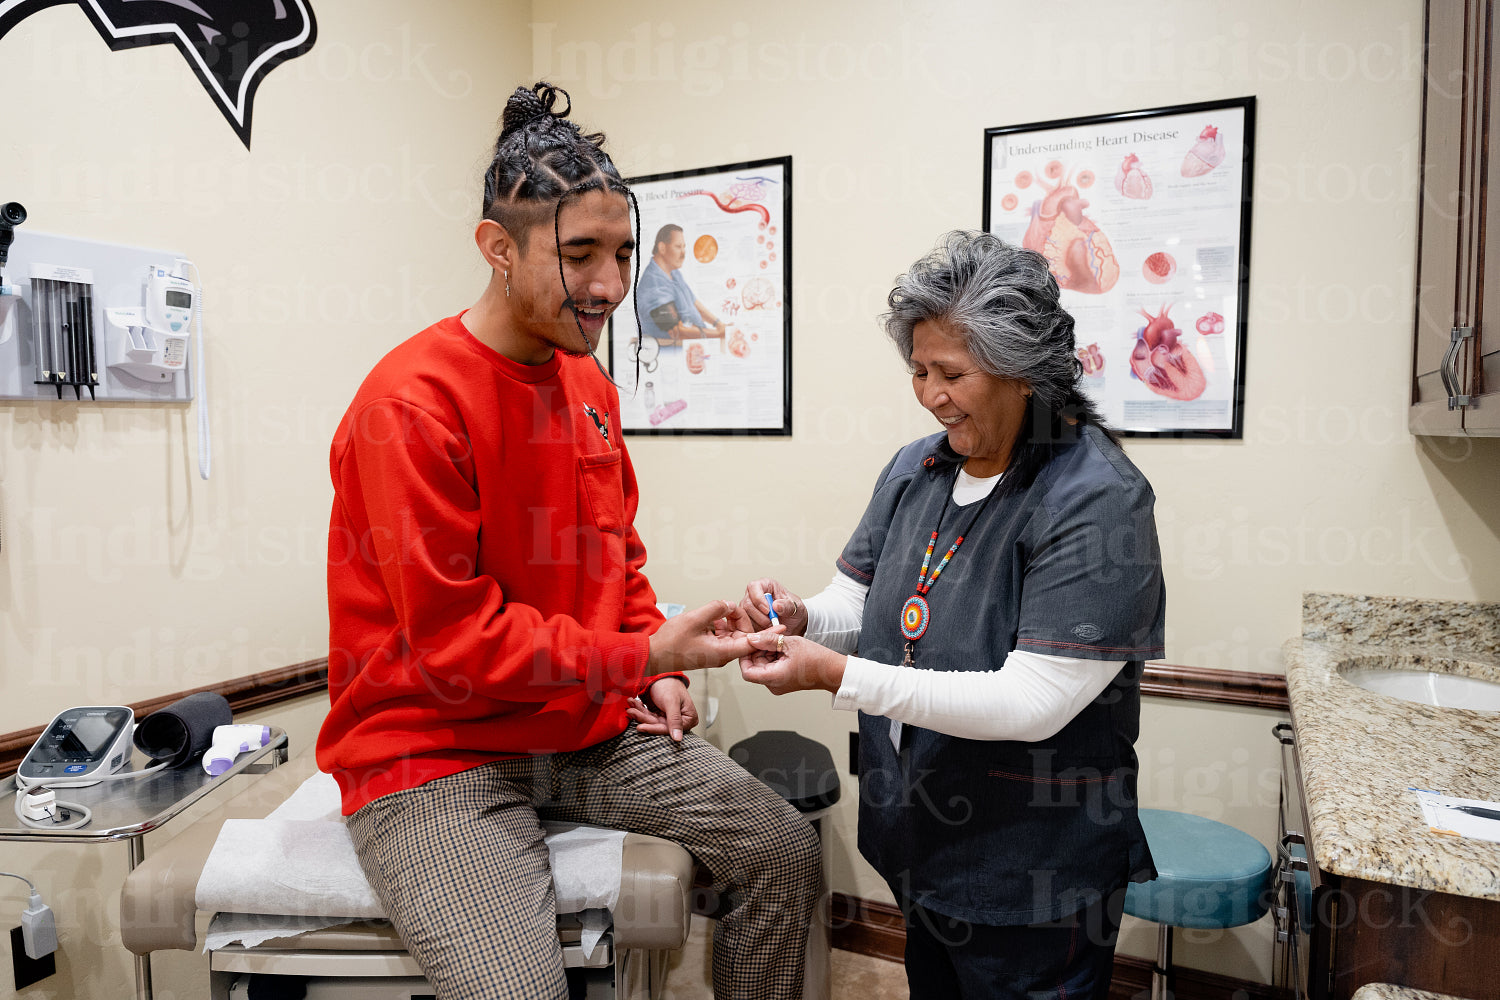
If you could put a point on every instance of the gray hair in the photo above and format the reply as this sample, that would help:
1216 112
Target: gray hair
1003 301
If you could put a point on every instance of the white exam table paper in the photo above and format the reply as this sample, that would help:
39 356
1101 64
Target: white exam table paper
297 871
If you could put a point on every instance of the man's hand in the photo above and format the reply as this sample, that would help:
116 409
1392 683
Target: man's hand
697 640
665 708
791 663
752 615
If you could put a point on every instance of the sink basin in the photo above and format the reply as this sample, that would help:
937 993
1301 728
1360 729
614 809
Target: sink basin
1428 687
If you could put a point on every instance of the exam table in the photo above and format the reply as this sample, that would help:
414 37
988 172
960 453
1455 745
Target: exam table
158 910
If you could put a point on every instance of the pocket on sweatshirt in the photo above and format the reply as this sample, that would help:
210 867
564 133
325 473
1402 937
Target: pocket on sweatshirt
599 478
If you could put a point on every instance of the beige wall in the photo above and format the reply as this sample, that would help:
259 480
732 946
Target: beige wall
346 229
343 231
882 107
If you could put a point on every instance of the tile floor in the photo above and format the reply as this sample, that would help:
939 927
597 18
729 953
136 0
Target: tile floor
853 977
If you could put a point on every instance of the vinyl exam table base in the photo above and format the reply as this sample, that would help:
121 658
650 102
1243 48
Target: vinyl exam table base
128 810
158 910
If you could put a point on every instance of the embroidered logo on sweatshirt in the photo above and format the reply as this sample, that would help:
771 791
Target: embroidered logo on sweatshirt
1088 631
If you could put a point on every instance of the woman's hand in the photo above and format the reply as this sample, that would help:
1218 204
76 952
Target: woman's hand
666 708
792 663
753 615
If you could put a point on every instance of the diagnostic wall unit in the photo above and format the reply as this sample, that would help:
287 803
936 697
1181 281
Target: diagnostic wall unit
60 324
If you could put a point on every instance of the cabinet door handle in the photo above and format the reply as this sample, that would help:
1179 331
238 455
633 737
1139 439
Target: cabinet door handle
1448 370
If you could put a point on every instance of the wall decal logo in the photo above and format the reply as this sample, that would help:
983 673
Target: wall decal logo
230 44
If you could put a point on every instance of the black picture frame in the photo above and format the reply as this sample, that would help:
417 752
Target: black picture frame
1202 209
737 219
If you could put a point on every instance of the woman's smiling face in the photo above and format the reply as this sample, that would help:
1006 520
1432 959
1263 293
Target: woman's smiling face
982 413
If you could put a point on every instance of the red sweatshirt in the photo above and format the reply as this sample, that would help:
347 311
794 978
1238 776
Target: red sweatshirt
485 596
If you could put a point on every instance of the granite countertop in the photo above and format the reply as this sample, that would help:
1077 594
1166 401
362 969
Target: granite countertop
1385 991
1361 751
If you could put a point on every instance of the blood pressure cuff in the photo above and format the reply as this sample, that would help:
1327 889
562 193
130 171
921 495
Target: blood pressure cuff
184 729
665 317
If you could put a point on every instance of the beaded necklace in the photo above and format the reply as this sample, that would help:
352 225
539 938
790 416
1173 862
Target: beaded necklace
916 615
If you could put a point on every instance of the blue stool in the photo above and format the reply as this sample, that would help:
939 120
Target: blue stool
1210 875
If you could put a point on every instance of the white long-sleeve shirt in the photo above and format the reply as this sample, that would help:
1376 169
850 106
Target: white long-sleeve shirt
1032 698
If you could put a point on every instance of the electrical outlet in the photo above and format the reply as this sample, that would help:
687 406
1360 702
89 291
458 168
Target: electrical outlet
29 970
854 753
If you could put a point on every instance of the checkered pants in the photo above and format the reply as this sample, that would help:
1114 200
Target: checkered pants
460 866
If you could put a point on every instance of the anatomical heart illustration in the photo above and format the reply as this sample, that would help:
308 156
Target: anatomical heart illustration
1131 181
1143 219
1077 250
1207 153
1162 362
1091 360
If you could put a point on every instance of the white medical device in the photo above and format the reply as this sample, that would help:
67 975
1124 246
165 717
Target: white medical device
230 742
155 338
78 745
156 335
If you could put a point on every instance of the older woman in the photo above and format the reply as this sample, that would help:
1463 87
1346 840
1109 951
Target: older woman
1003 589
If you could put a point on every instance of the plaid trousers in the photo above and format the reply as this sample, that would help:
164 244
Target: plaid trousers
461 868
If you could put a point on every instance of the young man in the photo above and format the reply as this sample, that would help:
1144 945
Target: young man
492 635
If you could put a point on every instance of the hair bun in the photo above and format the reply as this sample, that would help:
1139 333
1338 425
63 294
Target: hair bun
527 106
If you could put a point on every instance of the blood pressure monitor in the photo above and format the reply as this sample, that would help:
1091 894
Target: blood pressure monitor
89 741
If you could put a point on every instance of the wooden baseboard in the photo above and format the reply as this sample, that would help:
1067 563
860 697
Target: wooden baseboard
1132 981
243 693
876 929
868 928
1223 687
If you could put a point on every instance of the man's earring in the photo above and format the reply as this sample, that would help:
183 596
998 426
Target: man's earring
507 284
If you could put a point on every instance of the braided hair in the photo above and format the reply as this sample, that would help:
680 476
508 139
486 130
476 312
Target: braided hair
541 162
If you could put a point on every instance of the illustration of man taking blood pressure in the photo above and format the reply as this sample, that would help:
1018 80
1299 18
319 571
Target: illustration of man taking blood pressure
664 302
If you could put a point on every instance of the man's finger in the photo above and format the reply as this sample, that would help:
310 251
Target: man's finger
767 641
705 616
733 645
674 718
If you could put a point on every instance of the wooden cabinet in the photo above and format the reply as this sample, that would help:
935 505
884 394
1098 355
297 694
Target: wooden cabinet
1335 934
1455 364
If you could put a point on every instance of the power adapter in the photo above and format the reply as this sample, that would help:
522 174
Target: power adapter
38 928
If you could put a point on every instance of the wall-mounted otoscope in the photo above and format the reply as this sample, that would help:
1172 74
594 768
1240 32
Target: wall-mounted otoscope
12 214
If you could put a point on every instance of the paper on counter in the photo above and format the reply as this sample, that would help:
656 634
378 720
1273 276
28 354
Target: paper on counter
1442 818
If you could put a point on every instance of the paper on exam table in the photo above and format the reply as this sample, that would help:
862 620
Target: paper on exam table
316 798
251 929
586 863
304 868
299 862
1444 819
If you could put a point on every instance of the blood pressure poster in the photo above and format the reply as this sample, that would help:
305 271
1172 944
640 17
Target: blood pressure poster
702 344
1144 219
